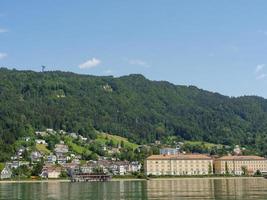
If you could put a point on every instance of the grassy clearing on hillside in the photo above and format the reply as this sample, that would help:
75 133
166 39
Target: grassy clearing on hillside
43 149
208 145
2 166
75 147
104 137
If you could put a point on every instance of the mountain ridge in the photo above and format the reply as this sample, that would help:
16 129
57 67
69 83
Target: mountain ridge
131 106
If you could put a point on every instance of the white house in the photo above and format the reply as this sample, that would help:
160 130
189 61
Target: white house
6 173
51 158
38 141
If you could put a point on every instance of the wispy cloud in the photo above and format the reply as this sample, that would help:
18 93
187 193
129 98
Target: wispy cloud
138 62
259 68
90 63
264 32
3 30
2 55
261 76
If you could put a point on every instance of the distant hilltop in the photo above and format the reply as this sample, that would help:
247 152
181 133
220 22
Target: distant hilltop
131 106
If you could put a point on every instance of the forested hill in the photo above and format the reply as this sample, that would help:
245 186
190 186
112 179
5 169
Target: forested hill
131 106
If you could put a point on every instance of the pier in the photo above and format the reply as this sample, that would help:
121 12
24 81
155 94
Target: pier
87 177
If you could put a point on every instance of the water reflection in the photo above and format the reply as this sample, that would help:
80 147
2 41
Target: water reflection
155 189
208 189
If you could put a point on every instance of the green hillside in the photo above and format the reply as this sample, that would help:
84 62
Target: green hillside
130 106
103 138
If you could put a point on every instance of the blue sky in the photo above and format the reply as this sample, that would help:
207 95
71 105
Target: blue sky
219 46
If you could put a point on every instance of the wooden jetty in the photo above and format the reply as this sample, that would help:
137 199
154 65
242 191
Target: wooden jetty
87 177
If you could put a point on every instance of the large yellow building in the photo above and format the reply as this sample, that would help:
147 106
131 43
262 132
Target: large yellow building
181 164
237 165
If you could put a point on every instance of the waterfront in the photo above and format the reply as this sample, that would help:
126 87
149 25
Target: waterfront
191 188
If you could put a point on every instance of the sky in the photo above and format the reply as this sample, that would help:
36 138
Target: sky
220 46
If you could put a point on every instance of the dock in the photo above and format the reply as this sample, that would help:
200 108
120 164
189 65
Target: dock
87 177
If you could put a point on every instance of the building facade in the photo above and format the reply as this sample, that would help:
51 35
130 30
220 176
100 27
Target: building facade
168 151
6 173
240 165
182 164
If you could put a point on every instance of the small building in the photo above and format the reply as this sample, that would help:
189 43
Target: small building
41 133
20 151
239 165
50 131
51 171
83 138
36 156
74 135
51 158
135 166
62 159
38 141
61 148
237 150
88 168
168 151
6 173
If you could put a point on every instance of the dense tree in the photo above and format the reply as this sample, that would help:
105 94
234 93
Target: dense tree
130 106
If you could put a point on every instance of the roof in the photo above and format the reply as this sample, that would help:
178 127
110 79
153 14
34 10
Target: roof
241 158
180 157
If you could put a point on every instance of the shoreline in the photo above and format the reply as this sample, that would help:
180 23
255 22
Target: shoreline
127 179
36 181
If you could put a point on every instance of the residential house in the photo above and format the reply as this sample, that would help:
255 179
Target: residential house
51 131
41 133
6 173
135 166
168 151
119 167
39 141
237 150
61 148
36 156
74 135
51 158
83 138
51 171
20 151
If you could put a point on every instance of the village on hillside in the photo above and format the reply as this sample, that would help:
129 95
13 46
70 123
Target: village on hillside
54 154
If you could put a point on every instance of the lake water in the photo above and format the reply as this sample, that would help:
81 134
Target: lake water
155 189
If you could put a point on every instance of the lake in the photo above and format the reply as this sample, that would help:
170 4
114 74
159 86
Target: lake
251 188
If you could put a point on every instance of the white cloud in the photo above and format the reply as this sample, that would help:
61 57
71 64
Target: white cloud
138 62
90 63
3 30
259 68
2 55
261 76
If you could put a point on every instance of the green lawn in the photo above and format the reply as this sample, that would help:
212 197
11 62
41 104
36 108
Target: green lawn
104 137
43 149
2 166
75 147
208 145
